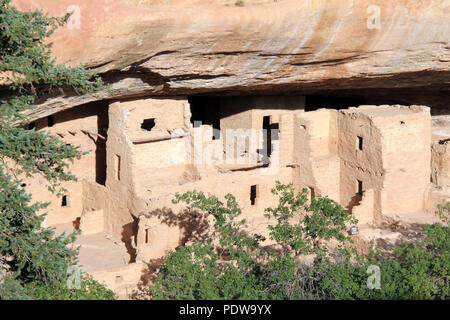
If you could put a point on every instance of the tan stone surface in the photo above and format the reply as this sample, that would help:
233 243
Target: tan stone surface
315 153
317 150
376 161
176 47
85 127
383 163
122 280
364 211
92 222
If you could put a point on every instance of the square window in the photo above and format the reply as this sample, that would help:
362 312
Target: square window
148 124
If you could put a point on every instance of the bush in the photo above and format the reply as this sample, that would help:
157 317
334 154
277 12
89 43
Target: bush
12 289
234 265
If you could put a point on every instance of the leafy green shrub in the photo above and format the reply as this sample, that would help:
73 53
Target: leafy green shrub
443 212
235 265
325 220
12 289
411 270
195 272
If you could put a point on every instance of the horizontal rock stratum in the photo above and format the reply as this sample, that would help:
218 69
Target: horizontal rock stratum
194 46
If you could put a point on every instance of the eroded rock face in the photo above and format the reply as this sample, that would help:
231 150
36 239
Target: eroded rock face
179 46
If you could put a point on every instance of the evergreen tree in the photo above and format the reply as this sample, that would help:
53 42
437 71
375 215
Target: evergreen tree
34 261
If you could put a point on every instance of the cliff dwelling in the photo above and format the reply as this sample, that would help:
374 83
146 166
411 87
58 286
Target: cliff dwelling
376 161
233 102
382 163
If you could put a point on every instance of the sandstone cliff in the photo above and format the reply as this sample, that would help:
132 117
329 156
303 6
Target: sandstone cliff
194 46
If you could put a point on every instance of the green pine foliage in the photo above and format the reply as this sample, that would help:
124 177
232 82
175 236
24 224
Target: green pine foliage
34 262
231 264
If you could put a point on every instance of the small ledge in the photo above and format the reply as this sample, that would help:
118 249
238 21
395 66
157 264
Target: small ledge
160 138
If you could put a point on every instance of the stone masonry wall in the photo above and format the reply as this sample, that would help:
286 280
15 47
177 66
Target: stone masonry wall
85 127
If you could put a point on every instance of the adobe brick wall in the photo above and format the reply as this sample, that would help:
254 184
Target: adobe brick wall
78 127
317 150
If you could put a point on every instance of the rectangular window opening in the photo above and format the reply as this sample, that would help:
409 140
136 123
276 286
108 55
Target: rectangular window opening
147 235
50 121
267 136
253 195
148 124
360 187
359 142
65 201
117 167
205 110
312 192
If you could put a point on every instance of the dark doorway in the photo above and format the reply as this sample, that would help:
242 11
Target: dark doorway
50 121
147 235
360 188
270 133
64 201
359 142
207 111
253 195
267 136
312 192
100 143
314 102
